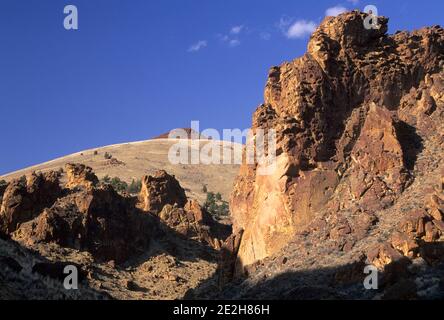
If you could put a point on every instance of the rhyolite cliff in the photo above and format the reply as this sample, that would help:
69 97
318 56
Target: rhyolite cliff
360 144
359 181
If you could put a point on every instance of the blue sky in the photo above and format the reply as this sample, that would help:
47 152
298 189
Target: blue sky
138 68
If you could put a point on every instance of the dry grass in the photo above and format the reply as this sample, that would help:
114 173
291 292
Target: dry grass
136 159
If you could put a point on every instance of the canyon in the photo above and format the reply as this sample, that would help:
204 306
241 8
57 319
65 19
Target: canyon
359 180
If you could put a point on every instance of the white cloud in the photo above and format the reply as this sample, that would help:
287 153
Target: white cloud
334 11
299 29
234 43
198 46
236 29
265 36
230 41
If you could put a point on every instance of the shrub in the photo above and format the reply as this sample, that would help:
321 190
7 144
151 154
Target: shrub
120 186
107 156
135 186
215 205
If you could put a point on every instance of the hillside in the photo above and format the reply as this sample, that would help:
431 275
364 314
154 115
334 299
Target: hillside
358 189
135 159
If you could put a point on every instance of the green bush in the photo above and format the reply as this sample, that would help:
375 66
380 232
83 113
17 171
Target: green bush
118 184
121 186
107 156
215 205
135 186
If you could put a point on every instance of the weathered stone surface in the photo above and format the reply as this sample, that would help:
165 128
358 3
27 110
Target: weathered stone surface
414 223
24 200
228 263
79 175
344 120
383 255
97 220
194 222
405 244
159 190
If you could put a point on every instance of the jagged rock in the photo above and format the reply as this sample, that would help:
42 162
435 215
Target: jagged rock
97 220
79 175
191 222
197 213
228 263
345 137
436 207
402 242
431 232
24 200
414 223
383 255
377 160
159 190
439 225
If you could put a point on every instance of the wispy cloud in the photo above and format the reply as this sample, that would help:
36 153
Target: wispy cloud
234 43
198 46
236 29
232 39
265 36
298 29
336 10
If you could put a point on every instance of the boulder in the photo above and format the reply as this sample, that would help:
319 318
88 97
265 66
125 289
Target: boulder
24 200
79 175
159 190
98 220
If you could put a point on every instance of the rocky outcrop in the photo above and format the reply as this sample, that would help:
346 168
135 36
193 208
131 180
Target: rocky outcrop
79 175
159 190
23 199
96 220
417 235
345 115
228 258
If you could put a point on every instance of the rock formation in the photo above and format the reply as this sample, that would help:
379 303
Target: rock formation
90 217
24 200
159 190
79 175
97 220
346 116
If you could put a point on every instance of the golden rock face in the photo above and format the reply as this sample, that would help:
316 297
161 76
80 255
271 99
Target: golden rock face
345 115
